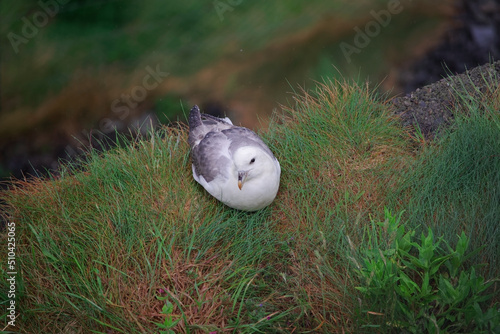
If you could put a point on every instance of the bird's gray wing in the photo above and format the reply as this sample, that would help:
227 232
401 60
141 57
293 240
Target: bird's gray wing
239 136
211 156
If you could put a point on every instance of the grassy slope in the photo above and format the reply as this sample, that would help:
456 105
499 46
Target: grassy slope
99 245
458 182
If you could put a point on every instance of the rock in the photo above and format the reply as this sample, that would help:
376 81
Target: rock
430 107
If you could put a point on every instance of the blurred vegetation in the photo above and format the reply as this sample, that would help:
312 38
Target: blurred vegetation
99 37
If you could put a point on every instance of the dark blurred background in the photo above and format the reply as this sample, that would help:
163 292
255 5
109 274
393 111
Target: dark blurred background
75 71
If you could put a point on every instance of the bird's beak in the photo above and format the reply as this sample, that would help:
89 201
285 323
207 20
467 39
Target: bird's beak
242 175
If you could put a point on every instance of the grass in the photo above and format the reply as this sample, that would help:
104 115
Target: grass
448 180
129 241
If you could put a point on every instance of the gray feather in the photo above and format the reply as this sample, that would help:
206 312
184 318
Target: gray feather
207 156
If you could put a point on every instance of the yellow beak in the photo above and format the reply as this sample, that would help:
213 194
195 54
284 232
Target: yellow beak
242 175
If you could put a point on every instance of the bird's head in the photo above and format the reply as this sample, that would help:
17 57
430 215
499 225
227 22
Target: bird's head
253 163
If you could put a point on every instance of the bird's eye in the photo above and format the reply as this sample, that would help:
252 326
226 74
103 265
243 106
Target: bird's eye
252 161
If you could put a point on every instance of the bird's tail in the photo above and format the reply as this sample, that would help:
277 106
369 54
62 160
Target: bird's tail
194 119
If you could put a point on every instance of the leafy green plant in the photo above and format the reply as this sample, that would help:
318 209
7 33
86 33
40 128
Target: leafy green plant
169 321
420 286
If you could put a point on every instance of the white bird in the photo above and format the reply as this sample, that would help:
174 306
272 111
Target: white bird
232 163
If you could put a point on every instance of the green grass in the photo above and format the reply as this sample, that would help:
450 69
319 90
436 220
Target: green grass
449 179
129 240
